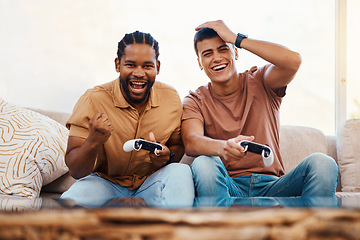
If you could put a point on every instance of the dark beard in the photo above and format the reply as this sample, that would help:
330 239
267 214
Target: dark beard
124 85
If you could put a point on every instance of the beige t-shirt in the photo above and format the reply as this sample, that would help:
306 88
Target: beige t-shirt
253 110
162 116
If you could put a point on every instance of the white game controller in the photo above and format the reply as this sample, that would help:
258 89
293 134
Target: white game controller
137 144
263 150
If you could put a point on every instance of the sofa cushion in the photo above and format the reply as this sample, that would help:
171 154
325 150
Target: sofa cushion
348 150
12 203
298 142
32 149
60 117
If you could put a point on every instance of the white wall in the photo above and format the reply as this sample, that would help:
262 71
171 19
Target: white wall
51 51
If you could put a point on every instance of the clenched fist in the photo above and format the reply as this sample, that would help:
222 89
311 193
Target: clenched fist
100 127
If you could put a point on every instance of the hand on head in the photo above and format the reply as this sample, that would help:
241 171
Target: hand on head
222 30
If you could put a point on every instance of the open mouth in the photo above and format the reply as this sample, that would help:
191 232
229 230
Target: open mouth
138 86
220 67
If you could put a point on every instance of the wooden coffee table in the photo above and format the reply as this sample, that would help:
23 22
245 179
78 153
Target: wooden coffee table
204 223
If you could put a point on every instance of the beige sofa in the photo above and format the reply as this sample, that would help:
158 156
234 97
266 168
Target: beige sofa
296 143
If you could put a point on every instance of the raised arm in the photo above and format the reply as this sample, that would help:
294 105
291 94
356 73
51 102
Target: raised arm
81 153
285 63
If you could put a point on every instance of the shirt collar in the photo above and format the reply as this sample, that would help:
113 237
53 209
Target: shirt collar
120 101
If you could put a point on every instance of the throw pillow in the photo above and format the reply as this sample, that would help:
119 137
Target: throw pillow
32 150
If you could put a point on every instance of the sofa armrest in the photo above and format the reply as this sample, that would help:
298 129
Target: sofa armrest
348 151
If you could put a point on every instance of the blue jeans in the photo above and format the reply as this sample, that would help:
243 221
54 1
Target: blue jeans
298 202
315 176
170 186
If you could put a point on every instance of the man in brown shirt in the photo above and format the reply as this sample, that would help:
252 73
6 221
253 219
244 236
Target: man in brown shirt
131 107
235 107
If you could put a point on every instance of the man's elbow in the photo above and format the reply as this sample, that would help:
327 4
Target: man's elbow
295 62
75 175
190 149
75 171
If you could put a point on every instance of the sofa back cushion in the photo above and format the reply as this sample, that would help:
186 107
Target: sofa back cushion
298 142
348 150
60 117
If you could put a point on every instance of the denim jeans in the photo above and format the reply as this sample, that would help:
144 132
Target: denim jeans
315 176
171 186
298 202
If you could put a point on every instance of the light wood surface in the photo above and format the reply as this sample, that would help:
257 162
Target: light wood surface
209 223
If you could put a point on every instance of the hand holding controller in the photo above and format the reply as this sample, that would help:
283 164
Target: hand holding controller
137 144
263 150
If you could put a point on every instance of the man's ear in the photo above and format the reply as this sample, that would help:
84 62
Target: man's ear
201 67
117 65
236 54
157 67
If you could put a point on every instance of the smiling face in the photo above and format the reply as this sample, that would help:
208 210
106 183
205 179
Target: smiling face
217 59
138 68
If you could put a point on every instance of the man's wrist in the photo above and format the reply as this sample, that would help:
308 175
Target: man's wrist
239 39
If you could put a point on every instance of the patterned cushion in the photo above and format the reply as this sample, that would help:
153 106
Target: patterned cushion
32 149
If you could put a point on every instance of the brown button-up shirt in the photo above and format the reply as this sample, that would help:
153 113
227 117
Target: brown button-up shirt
162 116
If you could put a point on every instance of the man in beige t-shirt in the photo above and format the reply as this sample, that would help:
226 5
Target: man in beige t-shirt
245 106
133 106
